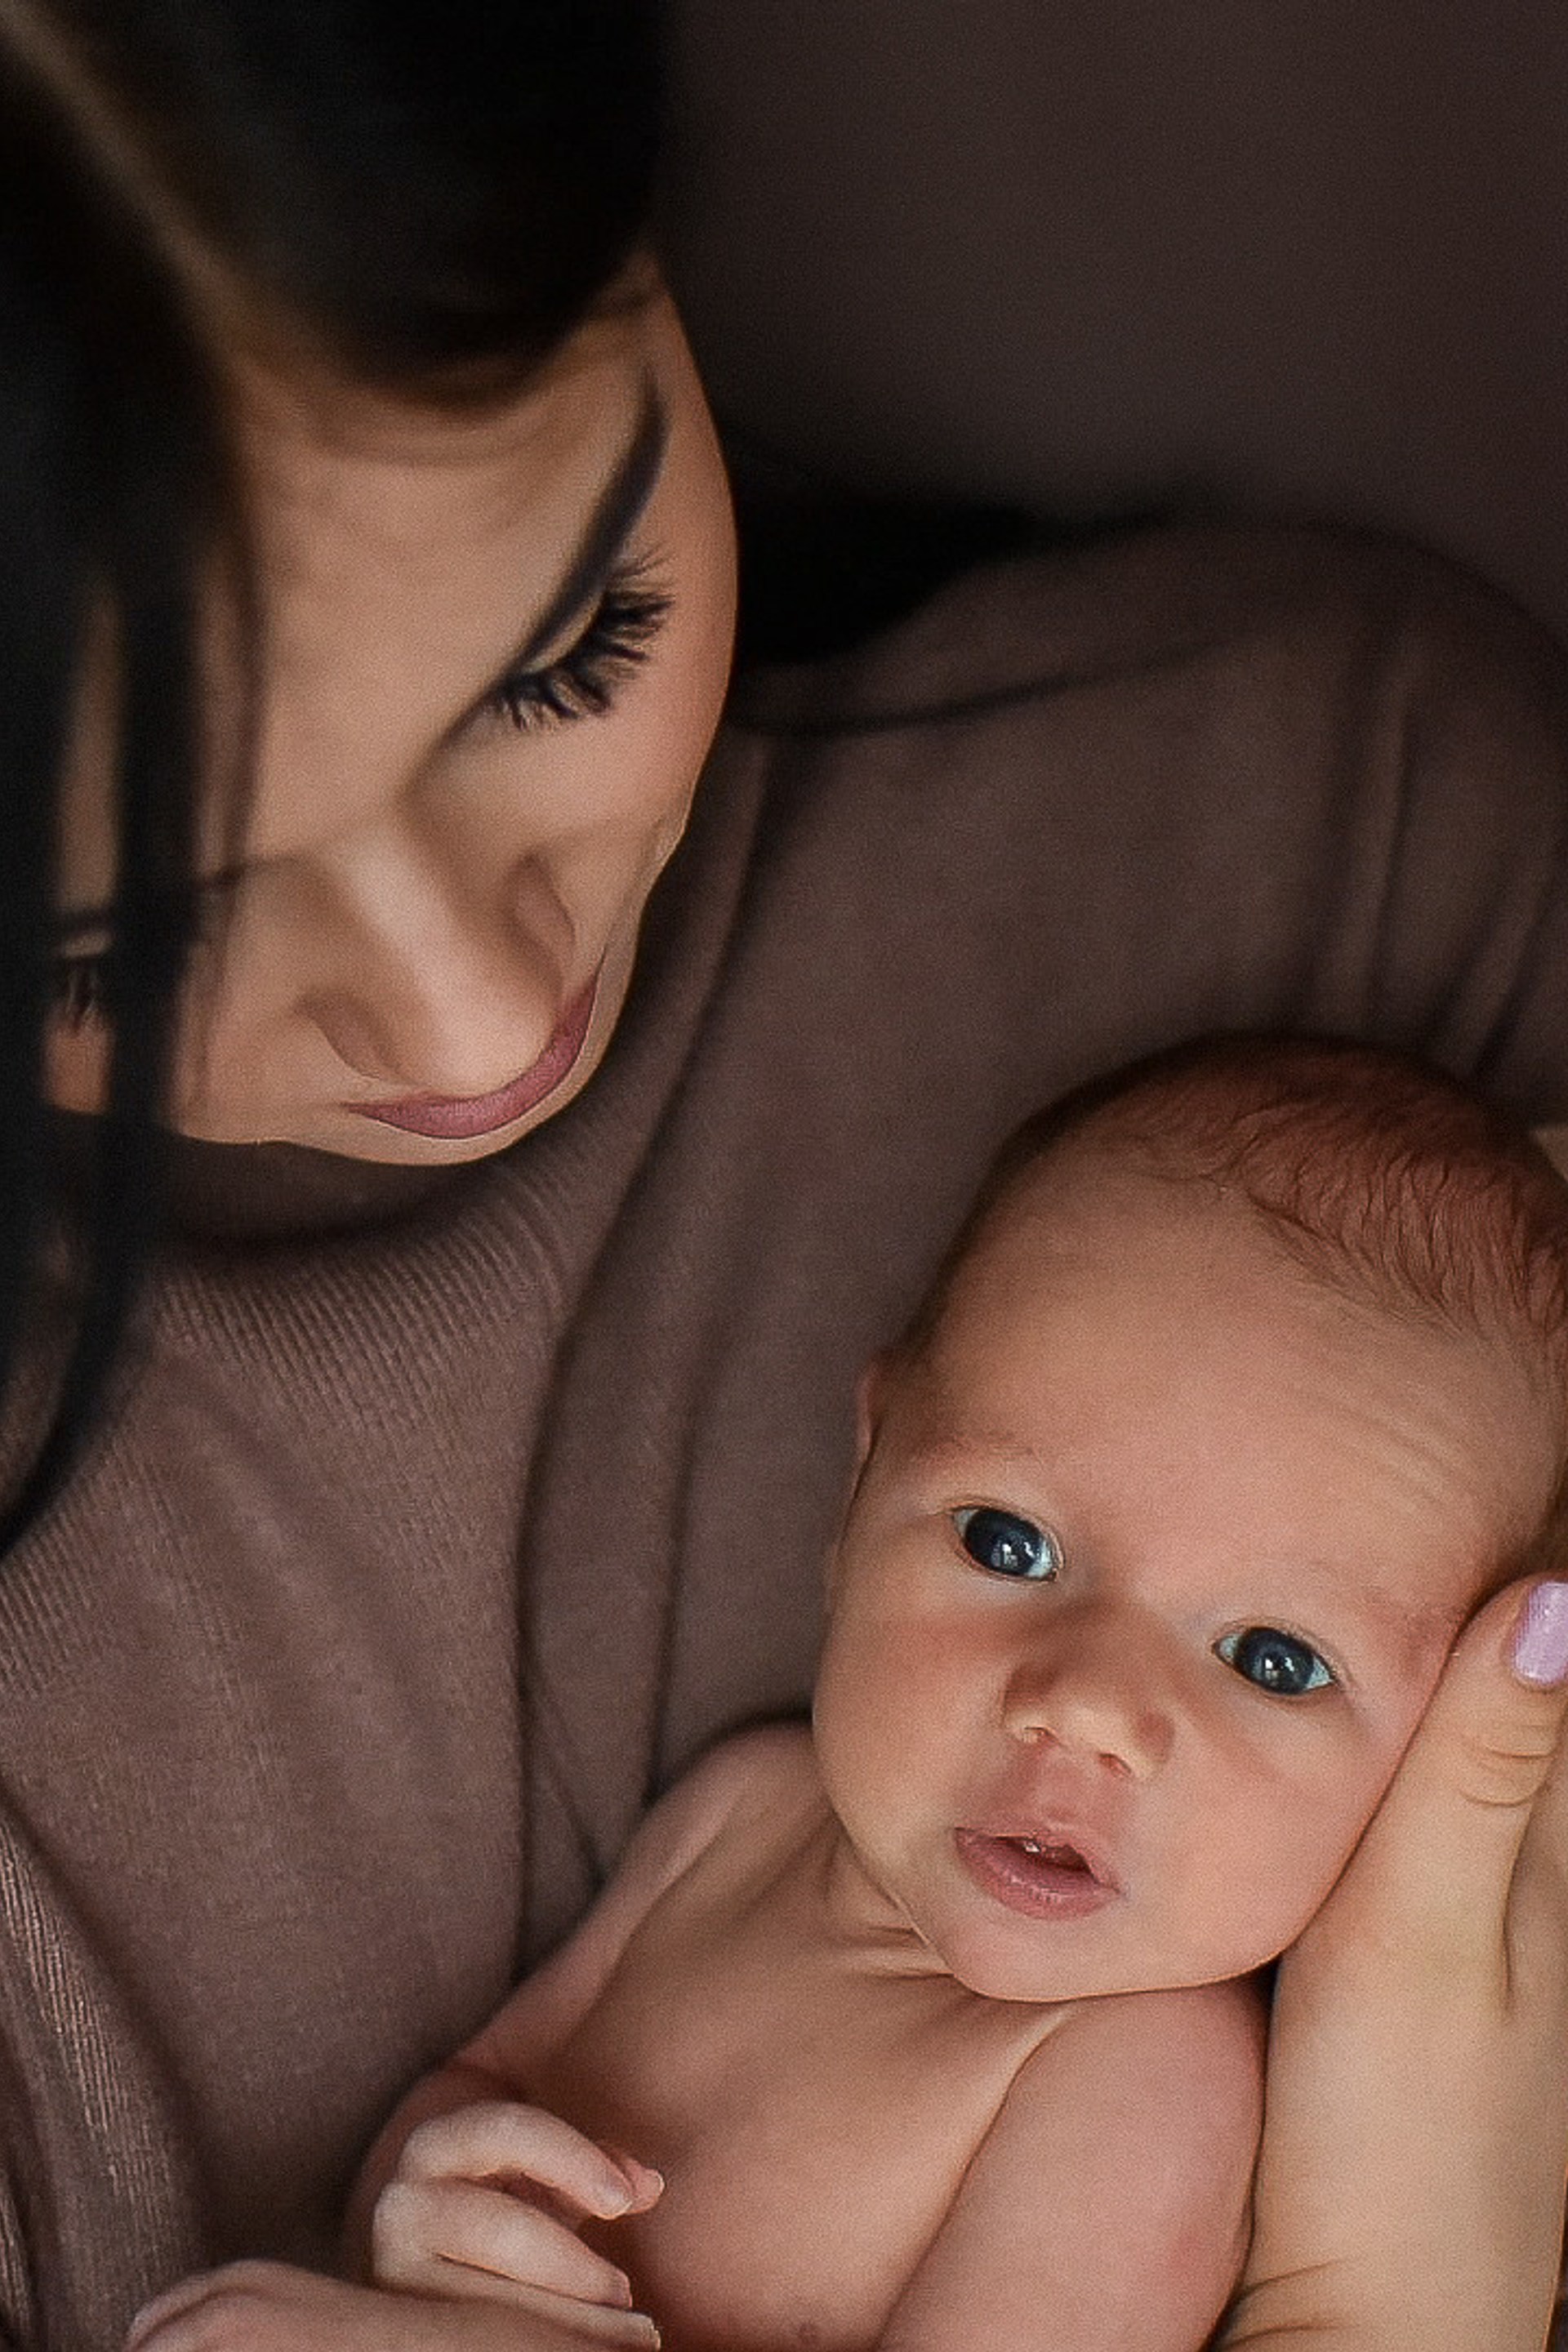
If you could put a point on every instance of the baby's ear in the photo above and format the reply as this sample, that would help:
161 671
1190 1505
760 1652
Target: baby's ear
871 1395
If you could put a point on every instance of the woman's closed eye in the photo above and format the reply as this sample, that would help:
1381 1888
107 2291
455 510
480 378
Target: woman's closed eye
78 988
581 683
584 682
1007 1544
80 982
1274 1661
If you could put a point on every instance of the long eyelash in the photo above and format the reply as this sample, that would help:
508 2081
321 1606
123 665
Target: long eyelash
79 981
583 683
78 988
585 680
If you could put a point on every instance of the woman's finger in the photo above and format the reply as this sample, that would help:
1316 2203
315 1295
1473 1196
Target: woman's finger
1410 2054
159 2314
1434 1869
459 2237
255 2306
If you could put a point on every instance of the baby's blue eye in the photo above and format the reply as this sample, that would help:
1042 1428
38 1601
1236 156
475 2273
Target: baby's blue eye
1007 1545
1276 1661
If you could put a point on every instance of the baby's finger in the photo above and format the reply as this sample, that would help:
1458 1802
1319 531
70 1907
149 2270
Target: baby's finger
1437 1862
647 2186
457 2238
497 2140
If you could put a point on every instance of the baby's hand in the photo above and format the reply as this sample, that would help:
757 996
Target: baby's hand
487 2201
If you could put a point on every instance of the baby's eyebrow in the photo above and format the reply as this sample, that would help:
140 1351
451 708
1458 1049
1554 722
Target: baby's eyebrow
1407 1618
978 1454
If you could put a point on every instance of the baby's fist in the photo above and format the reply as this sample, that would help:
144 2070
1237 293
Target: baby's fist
487 2201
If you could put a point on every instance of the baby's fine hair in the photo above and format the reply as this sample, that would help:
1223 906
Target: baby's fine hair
1387 1179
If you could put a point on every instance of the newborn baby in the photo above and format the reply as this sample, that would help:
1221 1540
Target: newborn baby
1242 1386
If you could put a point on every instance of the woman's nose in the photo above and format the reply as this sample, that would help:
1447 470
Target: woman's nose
436 988
1097 1693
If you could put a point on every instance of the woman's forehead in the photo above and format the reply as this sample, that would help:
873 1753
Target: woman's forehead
400 558
330 467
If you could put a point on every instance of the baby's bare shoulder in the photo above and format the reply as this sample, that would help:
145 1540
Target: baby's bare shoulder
1168 2082
764 1770
767 1774
767 1764
751 1772
1133 2124
1210 2018
1193 2052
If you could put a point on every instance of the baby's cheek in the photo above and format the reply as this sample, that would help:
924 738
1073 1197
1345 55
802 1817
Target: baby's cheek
884 1709
1262 1877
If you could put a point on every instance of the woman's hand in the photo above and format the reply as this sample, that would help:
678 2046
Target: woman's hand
270 2307
1410 2189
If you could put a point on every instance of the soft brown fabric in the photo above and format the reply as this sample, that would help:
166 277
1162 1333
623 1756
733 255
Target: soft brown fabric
263 1779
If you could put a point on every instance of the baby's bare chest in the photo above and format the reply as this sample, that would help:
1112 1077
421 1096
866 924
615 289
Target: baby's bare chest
812 2130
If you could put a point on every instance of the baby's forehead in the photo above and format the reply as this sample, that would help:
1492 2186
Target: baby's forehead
1093 1192
1087 1222
1098 1200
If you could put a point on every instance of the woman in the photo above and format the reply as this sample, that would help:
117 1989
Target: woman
360 666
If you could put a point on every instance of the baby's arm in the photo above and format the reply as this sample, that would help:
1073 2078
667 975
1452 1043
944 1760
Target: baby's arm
470 2189
1107 2209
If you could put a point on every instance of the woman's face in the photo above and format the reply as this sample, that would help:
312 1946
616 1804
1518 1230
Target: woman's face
494 654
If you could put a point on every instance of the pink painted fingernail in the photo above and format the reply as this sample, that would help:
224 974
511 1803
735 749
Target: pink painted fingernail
1541 1637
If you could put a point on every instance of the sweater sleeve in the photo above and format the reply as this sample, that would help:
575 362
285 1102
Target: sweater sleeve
1448 873
91 2157
1225 779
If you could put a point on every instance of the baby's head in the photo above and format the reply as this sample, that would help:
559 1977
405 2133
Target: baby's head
1242 1386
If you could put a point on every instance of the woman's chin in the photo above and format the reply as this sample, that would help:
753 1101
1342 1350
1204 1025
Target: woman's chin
370 1142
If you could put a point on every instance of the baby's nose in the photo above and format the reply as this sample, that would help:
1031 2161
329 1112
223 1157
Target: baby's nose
1094 1698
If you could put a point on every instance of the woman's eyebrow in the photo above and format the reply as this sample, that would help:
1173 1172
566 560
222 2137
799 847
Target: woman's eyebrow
614 511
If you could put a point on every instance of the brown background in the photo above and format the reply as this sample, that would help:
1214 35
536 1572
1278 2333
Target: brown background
1299 257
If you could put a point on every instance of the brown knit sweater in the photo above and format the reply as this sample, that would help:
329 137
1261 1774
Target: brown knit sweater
275 1830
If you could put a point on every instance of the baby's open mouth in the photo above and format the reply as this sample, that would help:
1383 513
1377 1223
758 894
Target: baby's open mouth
1060 1857
1043 1878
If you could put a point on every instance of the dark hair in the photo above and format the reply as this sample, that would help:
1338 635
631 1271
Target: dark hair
1376 1175
421 196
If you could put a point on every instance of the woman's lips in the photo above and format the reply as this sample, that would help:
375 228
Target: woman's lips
454 1119
1038 1875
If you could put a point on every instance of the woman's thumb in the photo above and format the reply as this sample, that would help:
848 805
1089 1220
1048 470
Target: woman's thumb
1442 1847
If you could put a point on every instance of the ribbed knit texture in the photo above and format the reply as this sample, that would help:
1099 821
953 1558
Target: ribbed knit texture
274 1828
